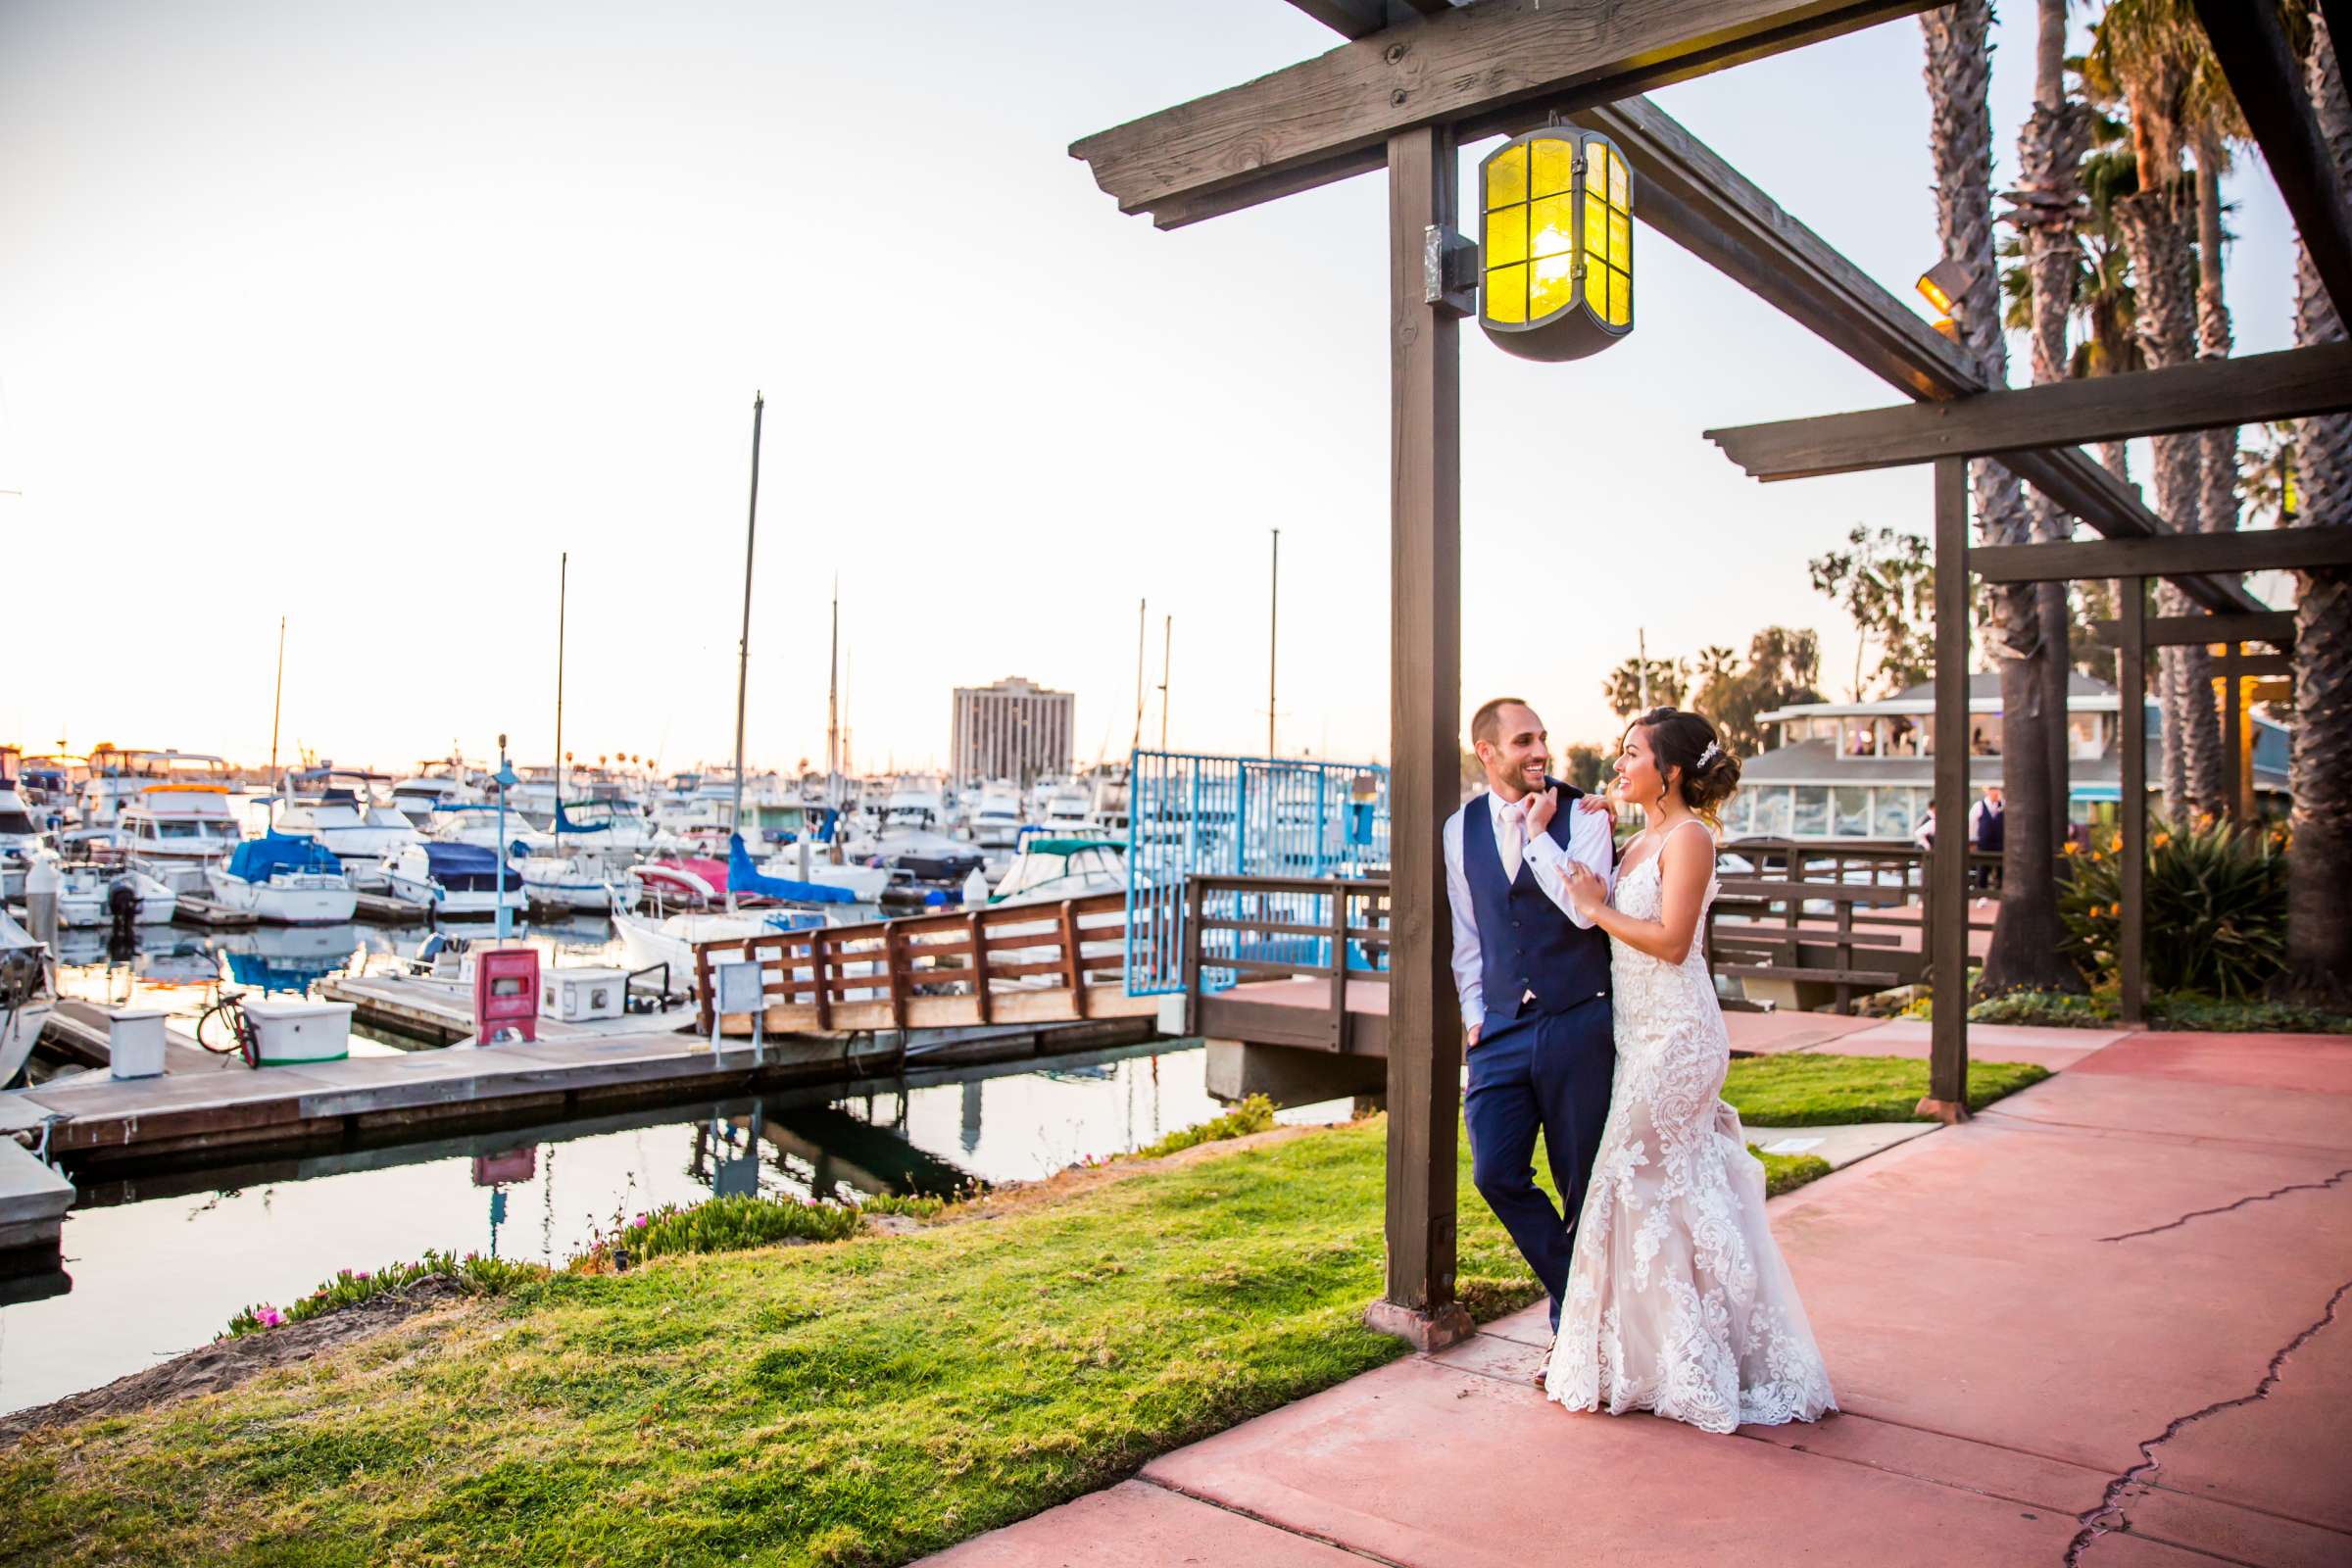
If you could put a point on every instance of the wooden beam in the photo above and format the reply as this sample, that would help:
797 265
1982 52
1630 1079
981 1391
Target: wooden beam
1690 195
2268 82
2276 626
2131 809
1357 19
1425 679
2231 663
2166 555
2201 395
1468 61
1947 881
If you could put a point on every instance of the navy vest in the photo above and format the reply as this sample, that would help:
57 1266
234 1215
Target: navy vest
1524 941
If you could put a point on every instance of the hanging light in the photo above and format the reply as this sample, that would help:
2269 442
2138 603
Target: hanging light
1942 286
1557 244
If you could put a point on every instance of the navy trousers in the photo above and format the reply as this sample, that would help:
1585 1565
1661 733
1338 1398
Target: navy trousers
1548 1073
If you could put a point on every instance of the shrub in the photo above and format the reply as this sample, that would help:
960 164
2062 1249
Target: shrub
714 1225
2216 907
473 1273
1252 1115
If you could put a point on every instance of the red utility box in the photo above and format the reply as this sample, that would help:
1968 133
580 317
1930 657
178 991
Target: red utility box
506 993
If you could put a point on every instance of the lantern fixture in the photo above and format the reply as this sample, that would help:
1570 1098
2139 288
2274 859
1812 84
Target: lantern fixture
1557 244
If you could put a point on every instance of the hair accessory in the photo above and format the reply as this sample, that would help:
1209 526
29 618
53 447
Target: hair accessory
1713 752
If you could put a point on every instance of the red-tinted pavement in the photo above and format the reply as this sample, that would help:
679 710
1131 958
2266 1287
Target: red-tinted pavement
2109 1321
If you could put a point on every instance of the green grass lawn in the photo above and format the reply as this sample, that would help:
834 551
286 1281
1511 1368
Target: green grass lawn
1805 1090
855 1401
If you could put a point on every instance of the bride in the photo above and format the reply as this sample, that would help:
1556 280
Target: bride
1678 1299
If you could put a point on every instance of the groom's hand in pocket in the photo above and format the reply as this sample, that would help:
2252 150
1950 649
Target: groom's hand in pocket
1470 1035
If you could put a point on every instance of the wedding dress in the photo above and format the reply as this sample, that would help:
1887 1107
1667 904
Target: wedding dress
1678 1298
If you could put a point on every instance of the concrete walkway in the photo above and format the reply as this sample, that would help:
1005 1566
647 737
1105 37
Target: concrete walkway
2109 1321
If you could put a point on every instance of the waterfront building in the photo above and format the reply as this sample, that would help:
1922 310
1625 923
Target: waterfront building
1864 771
1013 730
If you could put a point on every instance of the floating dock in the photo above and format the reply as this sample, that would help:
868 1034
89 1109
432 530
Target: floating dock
97 1119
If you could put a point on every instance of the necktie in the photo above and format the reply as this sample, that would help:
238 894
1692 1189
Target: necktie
1514 838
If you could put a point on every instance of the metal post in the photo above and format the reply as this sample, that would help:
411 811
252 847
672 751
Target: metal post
1425 495
2131 809
1947 882
1273 626
562 603
506 926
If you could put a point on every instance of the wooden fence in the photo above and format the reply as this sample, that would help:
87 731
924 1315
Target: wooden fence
1023 963
1250 927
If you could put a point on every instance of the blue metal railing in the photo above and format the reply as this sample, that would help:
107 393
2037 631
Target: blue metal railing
1194 814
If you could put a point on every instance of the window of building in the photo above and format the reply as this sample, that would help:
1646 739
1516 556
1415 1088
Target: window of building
1849 812
1772 811
1811 818
1892 815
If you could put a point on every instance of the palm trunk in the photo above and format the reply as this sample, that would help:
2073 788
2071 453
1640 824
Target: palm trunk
2025 948
2209 779
2319 931
2048 150
2154 226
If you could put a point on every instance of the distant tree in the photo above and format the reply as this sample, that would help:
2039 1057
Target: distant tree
1885 584
1784 662
1623 688
1586 767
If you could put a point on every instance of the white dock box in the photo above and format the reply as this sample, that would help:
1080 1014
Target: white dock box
288 1030
575 996
135 1040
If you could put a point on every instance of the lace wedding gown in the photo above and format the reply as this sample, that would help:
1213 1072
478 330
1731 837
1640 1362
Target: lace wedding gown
1678 1297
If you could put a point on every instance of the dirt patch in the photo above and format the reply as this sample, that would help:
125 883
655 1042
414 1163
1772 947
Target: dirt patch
226 1363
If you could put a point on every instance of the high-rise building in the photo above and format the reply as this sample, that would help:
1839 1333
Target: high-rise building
1013 730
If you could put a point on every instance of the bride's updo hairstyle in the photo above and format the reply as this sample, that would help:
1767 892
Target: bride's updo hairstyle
1684 739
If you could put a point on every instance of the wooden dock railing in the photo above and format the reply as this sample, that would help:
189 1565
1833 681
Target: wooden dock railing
1022 963
1329 934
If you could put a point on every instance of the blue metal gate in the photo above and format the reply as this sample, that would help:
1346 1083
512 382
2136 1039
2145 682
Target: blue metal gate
1240 817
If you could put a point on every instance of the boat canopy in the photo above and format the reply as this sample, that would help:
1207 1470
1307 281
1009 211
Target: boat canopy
260 859
1070 846
745 877
467 867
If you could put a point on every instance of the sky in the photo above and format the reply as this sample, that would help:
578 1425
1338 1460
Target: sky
361 315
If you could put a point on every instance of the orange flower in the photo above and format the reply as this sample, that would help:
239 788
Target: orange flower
2072 848
2161 839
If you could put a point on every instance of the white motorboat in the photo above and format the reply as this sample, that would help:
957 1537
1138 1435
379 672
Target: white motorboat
21 839
174 832
451 781
285 879
84 887
477 823
864 883
1048 870
997 817
926 856
339 807
456 879
649 941
1066 808
587 879
27 997
613 829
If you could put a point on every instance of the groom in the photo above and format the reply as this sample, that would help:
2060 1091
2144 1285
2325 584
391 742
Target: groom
1534 982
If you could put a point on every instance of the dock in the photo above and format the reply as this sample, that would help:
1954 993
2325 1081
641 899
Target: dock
196 909
231 1110
382 909
79 1031
34 1199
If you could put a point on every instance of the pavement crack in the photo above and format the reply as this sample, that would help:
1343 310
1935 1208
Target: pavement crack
2258 1198
2109 1514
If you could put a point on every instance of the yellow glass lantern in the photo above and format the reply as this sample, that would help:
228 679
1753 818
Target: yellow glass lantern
1556 244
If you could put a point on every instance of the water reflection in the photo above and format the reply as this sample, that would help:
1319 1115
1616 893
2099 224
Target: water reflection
158 1262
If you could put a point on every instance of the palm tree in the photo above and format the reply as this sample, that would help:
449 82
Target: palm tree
2319 931
2139 53
2048 197
2025 948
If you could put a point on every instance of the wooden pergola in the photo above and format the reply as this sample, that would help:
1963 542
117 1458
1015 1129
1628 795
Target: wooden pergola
1417 79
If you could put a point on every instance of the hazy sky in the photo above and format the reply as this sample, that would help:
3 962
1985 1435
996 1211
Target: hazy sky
359 315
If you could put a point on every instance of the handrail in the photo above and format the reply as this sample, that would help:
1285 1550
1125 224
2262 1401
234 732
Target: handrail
934 970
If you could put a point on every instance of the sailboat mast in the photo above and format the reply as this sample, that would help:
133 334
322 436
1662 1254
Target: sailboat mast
1139 605
277 700
743 649
563 587
1167 648
833 708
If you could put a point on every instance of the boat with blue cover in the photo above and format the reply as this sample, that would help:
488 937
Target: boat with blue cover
456 879
284 880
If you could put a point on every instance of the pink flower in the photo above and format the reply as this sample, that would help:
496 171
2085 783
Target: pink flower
640 1222
271 1317
361 1275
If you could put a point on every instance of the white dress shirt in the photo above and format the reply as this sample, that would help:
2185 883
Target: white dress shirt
1588 845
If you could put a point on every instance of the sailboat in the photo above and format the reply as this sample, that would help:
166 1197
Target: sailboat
671 938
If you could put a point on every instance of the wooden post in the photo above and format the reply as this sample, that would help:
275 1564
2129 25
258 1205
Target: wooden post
702 989
980 997
824 980
2132 806
1073 971
2233 709
1947 884
1190 954
1425 502
895 959
1339 965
